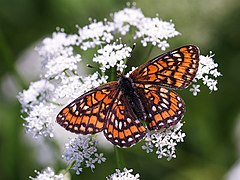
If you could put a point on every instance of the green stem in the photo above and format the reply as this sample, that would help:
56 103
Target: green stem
113 76
68 167
119 159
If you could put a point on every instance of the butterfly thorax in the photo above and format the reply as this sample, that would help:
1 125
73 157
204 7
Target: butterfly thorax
128 89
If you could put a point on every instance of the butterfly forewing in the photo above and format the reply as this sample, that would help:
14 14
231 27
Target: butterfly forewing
123 127
87 114
175 69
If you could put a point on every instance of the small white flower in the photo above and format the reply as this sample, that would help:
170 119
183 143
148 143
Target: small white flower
39 121
37 92
47 174
156 32
83 150
112 55
195 89
164 140
95 34
125 175
99 158
207 73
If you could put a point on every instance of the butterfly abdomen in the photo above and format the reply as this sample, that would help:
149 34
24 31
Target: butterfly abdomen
128 90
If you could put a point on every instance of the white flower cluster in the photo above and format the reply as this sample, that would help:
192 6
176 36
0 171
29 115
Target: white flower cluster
112 55
60 80
207 72
125 175
83 151
47 174
164 140
148 30
37 93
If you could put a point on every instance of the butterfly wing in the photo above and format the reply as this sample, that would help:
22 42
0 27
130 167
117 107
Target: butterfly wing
88 113
164 107
174 69
123 128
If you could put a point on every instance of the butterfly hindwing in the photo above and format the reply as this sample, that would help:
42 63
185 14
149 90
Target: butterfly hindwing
123 128
164 107
174 69
87 113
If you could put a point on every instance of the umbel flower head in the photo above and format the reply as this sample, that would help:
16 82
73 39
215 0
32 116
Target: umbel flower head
124 175
47 174
62 79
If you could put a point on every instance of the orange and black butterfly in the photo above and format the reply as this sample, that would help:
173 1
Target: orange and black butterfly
123 109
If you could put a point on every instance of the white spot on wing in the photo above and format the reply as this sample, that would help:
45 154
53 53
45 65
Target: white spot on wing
164 105
165 101
130 139
137 135
154 108
120 125
74 108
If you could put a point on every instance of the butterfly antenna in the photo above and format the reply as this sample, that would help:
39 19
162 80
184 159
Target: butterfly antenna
90 66
125 62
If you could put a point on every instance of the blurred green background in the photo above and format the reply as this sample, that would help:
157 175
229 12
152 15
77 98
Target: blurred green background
211 147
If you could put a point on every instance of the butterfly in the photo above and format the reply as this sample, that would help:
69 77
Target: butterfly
126 108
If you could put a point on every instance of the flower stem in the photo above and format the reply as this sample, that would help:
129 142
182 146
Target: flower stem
113 75
119 159
69 167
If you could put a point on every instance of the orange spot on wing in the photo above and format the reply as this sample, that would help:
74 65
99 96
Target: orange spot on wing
173 100
69 116
167 73
78 120
121 135
171 112
172 94
127 132
99 124
93 120
73 120
107 100
165 115
65 110
152 69
186 64
85 119
181 69
153 123
89 100
178 75
134 129
110 128
142 129
173 107
95 110
99 95
152 77
115 133
158 117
